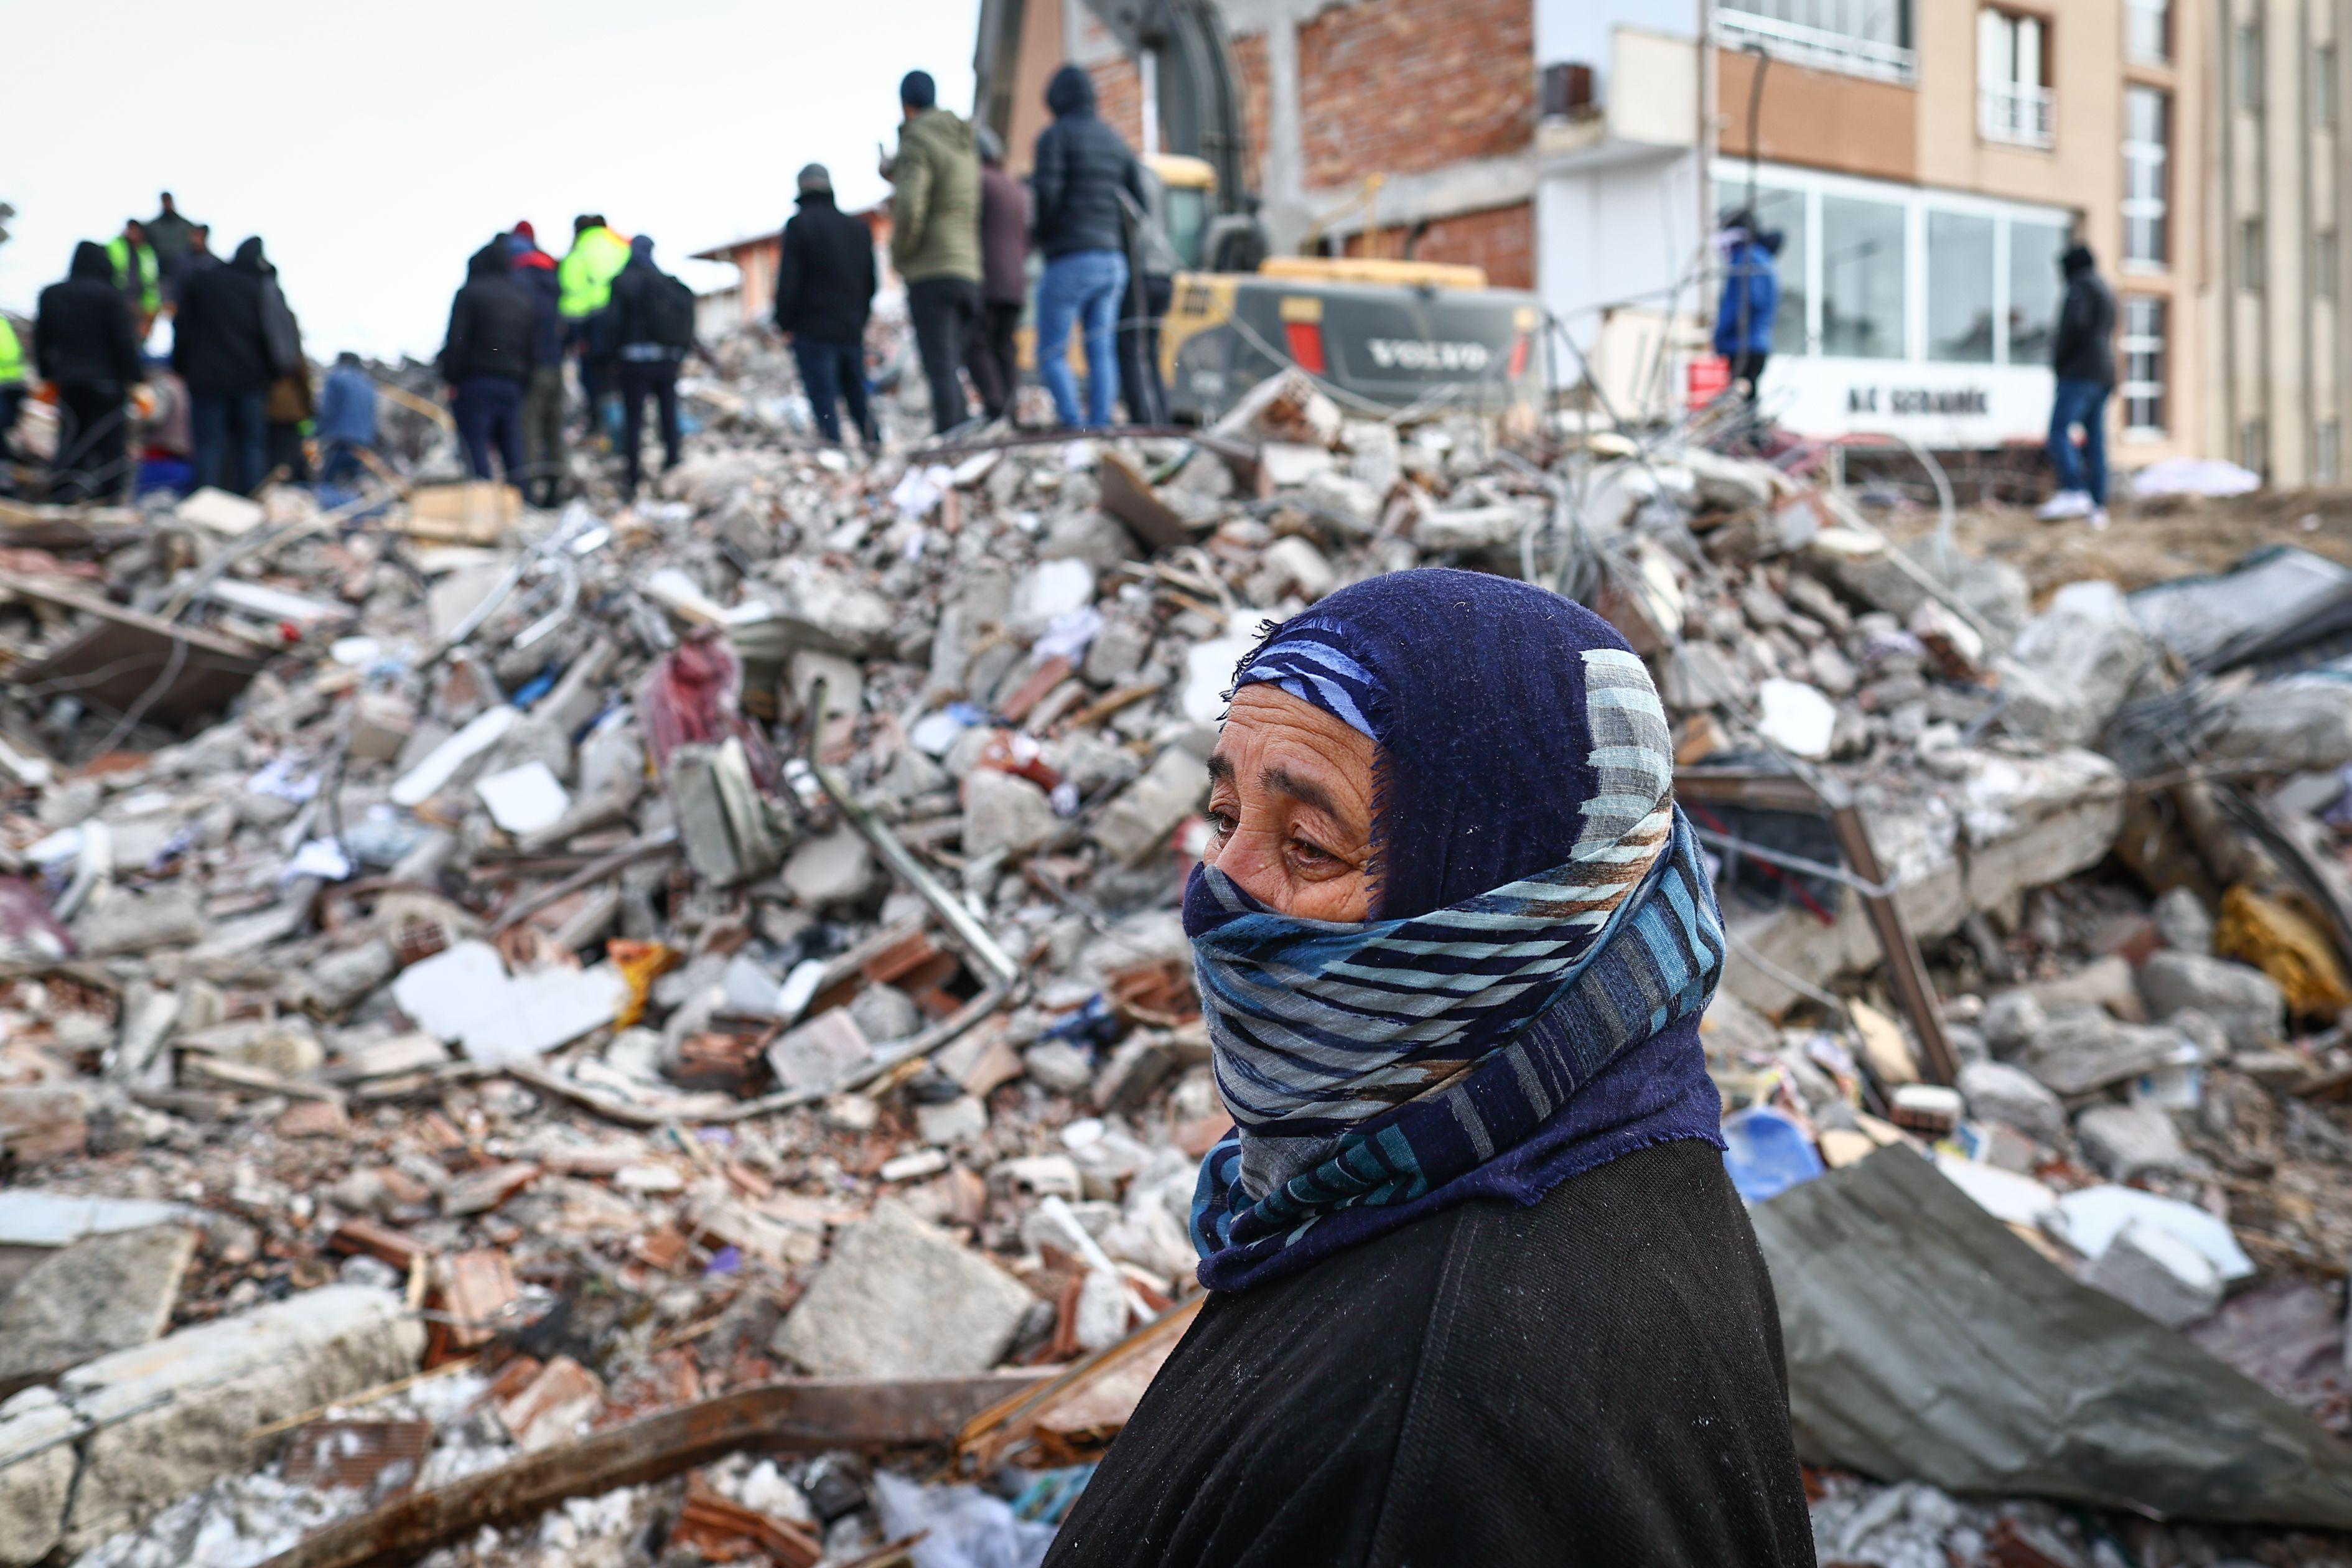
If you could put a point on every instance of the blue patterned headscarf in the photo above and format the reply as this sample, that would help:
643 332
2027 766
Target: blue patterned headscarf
1524 1005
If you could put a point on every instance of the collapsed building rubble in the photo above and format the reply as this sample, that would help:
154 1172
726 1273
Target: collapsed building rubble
482 984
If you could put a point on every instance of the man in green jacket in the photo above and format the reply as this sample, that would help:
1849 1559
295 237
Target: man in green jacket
583 283
935 238
12 384
135 274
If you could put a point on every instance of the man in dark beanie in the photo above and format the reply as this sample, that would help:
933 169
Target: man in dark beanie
824 291
935 238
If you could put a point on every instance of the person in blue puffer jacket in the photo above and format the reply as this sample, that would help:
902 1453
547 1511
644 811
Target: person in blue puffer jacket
1750 302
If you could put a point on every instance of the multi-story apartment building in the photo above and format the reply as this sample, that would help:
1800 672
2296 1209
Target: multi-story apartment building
2280 360
1927 161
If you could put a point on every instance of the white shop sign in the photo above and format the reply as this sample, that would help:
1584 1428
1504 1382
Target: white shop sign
1937 405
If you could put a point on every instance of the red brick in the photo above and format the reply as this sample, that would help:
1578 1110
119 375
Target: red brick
1500 239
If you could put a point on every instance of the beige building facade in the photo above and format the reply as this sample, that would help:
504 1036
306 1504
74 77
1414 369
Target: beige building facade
2280 359
1930 161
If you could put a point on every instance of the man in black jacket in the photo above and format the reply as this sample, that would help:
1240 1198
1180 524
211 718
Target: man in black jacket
824 291
85 344
652 322
220 346
1082 169
487 359
2084 355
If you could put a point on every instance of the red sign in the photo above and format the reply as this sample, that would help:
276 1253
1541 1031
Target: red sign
1706 378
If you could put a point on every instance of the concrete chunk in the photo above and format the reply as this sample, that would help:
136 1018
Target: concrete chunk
102 1294
172 1415
2158 1274
902 1299
37 1473
1997 1092
1004 813
2244 1001
2127 1140
1141 819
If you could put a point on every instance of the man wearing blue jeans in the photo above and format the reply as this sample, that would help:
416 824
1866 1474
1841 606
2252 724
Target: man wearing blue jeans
824 289
1082 167
1084 287
2083 354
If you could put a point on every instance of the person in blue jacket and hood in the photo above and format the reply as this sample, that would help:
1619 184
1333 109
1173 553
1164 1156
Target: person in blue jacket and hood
1750 302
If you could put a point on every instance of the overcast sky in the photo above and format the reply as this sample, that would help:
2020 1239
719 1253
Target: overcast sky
374 148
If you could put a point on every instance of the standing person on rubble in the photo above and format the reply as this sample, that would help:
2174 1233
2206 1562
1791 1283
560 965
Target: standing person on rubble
1004 279
543 402
1480 1289
346 420
13 388
935 238
652 322
1083 168
221 346
2083 354
135 273
825 292
487 359
85 346
170 234
1750 302
584 292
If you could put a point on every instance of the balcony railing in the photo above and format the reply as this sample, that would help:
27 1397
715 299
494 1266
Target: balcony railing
2015 112
1818 46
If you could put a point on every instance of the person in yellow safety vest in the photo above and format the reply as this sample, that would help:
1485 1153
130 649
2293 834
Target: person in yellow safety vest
583 283
12 382
135 274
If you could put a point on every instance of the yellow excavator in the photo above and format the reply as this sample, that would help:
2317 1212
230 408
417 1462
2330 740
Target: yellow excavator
1380 333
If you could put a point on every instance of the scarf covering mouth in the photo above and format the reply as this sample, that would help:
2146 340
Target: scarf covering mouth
1524 1005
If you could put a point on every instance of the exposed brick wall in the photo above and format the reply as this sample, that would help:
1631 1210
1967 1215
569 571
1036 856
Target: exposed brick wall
1400 86
1249 60
1118 94
1500 239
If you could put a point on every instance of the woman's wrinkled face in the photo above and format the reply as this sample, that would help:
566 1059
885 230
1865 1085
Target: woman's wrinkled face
1290 802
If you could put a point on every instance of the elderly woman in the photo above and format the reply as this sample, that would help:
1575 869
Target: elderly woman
1481 1291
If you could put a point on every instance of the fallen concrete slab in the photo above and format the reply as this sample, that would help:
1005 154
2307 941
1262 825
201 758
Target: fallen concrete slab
140 1428
103 1293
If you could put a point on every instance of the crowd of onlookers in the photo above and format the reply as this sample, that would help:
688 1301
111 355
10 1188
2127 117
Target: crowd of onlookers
234 403
960 233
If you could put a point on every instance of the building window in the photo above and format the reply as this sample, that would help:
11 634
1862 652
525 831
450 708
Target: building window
2250 255
2143 367
2322 264
1863 294
2323 87
2326 452
2013 83
1960 288
2036 288
2254 446
2147 31
2147 139
1860 37
2250 66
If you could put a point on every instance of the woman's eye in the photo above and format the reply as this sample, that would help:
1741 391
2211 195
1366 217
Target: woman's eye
1220 823
1313 854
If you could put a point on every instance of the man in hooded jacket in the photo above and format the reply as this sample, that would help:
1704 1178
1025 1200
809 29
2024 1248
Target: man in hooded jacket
542 404
487 361
825 292
1082 170
652 323
2083 358
935 238
84 345
221 348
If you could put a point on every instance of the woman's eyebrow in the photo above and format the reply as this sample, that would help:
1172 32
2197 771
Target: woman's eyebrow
1280 780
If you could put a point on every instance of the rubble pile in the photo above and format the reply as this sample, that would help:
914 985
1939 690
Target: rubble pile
477 978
